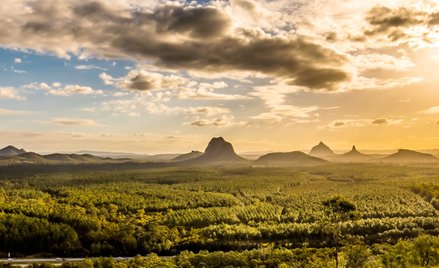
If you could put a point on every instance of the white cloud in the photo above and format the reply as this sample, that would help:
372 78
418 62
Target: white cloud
75 122
372 61
342 123
17 61
58 89
70 90
274 97
13 112
10 93
431 110
89 67
372 83
362 122
207 111
142 79
221 121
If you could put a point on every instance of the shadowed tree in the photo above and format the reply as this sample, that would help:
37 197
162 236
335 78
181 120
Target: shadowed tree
338 210
426 249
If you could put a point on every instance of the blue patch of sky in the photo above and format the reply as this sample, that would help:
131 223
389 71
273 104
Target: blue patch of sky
49 68
199 1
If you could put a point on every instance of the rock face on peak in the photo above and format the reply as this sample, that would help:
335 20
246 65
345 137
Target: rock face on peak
218 150
11 151
404 155
321 150
188 156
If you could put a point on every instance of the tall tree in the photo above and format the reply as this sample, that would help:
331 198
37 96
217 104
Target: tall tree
338 210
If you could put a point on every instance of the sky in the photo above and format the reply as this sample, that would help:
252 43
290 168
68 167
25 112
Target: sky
150 77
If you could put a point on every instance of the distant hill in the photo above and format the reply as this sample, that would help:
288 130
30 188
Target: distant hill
188 156
354 155
34 158
218 150
404 155
295 157
322 150
10 151
28 157
140 157
75 158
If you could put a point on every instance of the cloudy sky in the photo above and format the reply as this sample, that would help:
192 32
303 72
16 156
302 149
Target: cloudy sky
268 75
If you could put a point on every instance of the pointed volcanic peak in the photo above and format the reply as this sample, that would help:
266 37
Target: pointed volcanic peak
354 153
11 151
218 150
295 158
321 150
404 155
188 156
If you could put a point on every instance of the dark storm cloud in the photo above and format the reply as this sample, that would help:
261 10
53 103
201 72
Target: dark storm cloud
140 82
392 21
203 22
380 121
180 37
434 19
331 36
294 59
387 21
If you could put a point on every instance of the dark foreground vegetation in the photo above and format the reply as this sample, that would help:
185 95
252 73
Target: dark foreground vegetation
375 215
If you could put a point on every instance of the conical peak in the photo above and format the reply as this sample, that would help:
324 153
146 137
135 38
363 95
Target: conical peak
354 149
11 151
321 150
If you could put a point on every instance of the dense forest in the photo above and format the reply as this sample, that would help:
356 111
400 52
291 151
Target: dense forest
225 216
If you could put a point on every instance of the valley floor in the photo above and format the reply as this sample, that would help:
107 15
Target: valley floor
244 216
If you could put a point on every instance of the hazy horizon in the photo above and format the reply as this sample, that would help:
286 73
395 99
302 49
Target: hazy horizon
238 151
141 76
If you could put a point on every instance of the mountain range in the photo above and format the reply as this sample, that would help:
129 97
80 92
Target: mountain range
219 151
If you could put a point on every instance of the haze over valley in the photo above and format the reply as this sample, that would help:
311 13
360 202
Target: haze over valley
219 133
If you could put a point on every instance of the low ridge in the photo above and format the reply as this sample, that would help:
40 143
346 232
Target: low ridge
404 155
295 157
188 156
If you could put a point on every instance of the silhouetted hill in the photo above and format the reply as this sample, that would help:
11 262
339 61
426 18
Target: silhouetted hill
188 156
75 158
404 155
122 155
34 158
28 157
321 150
11 151
295 157
354 155
218 150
